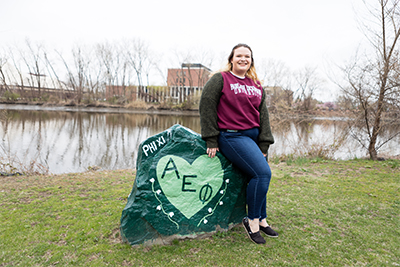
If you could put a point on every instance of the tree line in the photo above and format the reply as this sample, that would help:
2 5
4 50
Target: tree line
85 71
32 71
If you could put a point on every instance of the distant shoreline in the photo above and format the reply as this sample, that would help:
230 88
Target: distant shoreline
94 109
150 109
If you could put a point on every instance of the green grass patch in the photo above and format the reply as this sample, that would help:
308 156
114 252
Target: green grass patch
328 213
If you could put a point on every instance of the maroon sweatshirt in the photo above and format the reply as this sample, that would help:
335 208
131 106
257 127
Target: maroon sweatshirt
239 103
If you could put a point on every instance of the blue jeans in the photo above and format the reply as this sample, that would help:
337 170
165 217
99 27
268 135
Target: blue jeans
242 150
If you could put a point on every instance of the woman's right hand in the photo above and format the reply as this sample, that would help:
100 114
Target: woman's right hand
211 152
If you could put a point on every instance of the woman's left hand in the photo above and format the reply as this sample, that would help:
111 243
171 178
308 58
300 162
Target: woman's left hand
211 152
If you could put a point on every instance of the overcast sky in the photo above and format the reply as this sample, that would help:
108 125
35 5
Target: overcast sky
315 33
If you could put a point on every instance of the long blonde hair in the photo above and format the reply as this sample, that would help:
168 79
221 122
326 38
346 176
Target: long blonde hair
251 73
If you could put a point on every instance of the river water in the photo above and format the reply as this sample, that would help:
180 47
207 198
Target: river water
73 140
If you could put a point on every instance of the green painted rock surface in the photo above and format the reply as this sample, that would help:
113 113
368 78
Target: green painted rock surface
179 192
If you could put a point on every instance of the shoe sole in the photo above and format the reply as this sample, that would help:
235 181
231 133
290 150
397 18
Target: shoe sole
272 236
247 232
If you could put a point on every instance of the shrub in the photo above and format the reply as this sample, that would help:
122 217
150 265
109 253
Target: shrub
54 99
11 96
138 104
45 97
112 100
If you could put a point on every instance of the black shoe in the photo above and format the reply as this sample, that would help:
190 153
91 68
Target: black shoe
268 231
255 237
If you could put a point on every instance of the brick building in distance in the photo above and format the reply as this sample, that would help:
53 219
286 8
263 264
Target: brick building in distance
183 84
190 75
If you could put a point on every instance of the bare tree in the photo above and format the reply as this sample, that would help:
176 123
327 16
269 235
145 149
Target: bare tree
57 83
274 73
206 58
16 74
373 82
116 68
307 83
149 65
193 73
346 103
277 79
182 57
3 80
94 79
81 65
34 61
77 76
107 57
137 54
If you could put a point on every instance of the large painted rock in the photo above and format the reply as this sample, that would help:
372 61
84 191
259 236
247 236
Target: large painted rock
179 192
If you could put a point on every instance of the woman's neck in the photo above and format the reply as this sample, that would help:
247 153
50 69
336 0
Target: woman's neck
242 76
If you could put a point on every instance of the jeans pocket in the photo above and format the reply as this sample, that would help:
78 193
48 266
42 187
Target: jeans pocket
229 134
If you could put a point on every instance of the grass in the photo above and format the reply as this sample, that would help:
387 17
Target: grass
328 213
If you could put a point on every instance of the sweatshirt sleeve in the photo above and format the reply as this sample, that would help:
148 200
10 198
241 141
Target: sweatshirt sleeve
208 110
265 138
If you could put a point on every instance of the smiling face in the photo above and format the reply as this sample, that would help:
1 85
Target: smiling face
241 61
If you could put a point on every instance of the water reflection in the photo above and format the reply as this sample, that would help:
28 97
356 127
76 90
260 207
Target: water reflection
73 141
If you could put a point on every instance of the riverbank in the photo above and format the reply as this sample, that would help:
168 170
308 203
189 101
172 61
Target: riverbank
327 213
101 108
149 108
